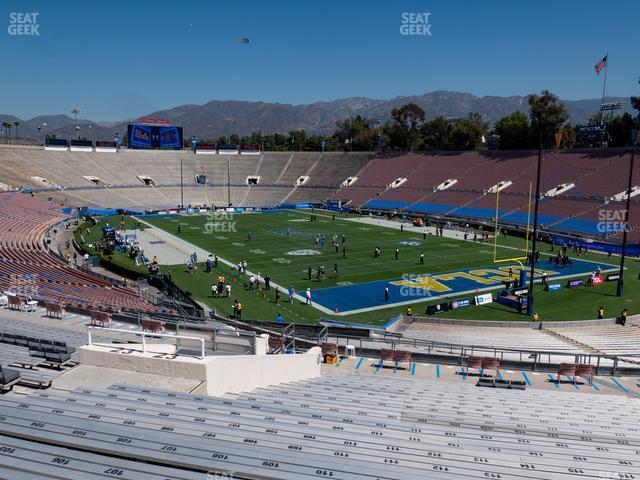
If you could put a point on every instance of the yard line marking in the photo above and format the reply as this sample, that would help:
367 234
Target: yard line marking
378 366
595 386
413 368
553 380
464 374
359 363
526 378
575 384
438 370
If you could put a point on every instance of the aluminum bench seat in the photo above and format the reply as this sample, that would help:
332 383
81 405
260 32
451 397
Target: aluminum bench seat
199 453
50 461
143 411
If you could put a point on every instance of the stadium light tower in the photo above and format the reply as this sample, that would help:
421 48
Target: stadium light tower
229 120
181 185
530 309
620 286
75 111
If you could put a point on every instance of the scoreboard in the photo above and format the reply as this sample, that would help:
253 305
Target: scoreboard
154 136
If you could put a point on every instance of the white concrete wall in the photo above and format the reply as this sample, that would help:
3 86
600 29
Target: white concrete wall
262 344
235 374
223 373
181 367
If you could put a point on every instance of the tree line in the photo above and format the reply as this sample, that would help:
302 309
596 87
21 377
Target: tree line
409 129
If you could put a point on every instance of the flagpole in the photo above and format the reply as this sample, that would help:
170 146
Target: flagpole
604 86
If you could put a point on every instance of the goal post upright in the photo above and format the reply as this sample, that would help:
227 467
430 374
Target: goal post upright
496 232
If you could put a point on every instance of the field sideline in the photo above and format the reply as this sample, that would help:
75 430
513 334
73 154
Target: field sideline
269 241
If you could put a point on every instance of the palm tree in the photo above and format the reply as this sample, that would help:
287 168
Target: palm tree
17 124
7 130
635 103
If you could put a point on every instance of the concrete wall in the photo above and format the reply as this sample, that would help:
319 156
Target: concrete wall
235 374
181 367
473 323
631 320
223 373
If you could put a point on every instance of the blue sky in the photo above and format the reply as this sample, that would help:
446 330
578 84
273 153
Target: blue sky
121 59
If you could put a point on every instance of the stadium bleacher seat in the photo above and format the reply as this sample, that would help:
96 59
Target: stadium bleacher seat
382 427
24 220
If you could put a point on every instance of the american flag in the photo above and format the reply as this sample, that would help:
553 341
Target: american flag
601 64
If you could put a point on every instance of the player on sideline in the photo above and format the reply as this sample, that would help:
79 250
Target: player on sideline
421 258
308 296
386 294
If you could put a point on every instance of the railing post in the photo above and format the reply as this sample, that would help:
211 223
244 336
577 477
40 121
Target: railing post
598 366
144 343
615 366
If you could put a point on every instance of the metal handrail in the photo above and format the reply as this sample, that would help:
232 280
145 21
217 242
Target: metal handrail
144 335
217 334
465 350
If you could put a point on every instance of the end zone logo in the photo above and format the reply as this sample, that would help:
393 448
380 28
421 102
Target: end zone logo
24 24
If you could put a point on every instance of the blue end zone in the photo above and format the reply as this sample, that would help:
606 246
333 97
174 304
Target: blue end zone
349 298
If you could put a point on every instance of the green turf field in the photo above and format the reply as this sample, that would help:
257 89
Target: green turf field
264 240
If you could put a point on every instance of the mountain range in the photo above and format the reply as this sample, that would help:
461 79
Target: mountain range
209 120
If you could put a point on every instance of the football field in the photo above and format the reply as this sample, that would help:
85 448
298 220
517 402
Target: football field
290 248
